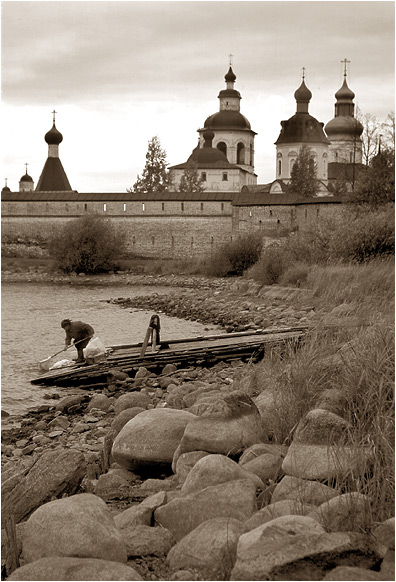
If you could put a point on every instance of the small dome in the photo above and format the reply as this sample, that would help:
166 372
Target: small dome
207 155
346 125
26 178
208 136
53 136
345 92
303 93
5 189
230 77
227 119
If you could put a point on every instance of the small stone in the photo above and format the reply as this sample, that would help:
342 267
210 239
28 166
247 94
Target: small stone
55 433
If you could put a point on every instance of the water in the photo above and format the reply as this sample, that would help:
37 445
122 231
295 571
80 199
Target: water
31 316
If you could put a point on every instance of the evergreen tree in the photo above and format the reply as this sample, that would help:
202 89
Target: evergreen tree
303 177
190 180
155 176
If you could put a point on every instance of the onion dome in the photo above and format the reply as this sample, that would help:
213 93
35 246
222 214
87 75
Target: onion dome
345 125
230 76
5 188
208 154
53 136
345 92
26 178
303 94
227 119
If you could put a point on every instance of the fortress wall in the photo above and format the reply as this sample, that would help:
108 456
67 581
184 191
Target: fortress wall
147 236
130 208
303 216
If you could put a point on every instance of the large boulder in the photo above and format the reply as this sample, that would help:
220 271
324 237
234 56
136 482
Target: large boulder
216 469
347 512
229 425
298 548
143 540
183 464
277 509
320 451
79 526
131 400
267 467
150 438
210 548
235 499
60 569
351 573
55 473
125 416
302 490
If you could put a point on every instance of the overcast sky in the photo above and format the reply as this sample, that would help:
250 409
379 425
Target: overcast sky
118 73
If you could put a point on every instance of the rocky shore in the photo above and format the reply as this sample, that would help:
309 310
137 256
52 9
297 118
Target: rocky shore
177 476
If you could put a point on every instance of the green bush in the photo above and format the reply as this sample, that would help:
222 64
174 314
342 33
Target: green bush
235 258
89 244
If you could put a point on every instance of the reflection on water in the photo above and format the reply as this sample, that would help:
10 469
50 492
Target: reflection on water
31 316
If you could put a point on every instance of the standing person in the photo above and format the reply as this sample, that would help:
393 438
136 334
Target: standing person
81 333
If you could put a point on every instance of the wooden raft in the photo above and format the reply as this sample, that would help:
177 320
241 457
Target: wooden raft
204 351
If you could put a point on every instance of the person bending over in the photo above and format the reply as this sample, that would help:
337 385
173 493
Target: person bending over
81 333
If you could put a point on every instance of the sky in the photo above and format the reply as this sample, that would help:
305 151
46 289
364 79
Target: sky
118 73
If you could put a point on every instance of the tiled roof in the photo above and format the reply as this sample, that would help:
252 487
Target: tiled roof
265 199
73 196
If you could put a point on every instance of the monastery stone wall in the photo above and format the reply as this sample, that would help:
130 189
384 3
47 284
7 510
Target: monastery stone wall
164 229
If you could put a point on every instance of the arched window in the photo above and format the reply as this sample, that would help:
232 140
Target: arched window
251 155
279 167
222 147
240 153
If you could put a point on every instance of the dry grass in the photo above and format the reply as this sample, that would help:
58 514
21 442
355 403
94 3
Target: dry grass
356 360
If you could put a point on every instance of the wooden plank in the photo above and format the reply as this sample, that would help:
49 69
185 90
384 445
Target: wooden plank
149 333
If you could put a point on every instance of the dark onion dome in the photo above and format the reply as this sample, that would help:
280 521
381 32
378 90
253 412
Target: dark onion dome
5 189
230 76
303 94
227 119
345 125
207 154
345 92
302 127
26 178
53 136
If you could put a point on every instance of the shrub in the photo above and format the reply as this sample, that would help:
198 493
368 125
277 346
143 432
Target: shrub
271 266
235 258
363 236
89 244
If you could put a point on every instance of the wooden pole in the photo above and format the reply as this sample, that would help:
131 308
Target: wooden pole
146 341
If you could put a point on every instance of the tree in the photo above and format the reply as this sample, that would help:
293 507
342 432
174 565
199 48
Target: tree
155 176
303 176
378 186
190 180
89 244
370 136
388 132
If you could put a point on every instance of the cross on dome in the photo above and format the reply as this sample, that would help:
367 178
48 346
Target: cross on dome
230 58
53 116
345 61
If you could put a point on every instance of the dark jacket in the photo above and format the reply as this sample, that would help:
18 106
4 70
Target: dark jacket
78 331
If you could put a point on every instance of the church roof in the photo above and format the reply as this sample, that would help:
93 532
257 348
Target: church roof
247 198
53 136
227 119
302 127
73 196
26 178
53 177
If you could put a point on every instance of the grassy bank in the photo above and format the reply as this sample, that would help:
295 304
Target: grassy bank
353 354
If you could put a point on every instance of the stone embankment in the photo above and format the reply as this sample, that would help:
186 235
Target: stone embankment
177 476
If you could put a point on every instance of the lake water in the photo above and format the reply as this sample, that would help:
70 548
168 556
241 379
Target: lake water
31 316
